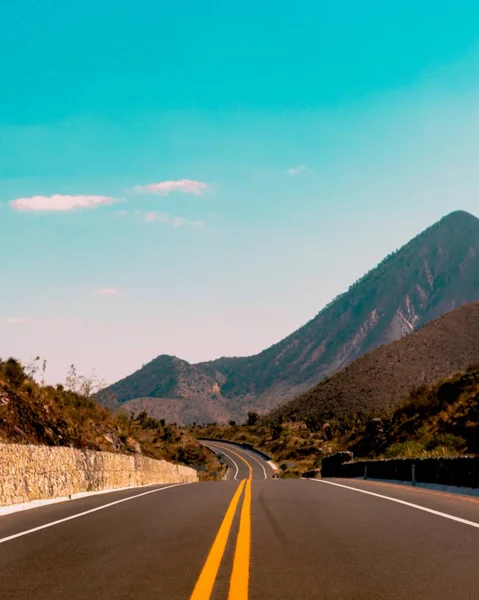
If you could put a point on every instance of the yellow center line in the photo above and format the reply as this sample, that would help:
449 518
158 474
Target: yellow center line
239 582
250 468
206 580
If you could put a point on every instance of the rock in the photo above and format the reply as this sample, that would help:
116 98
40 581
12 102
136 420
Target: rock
133 445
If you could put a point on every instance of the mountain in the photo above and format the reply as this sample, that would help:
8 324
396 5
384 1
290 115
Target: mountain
187 393
433 274
384 377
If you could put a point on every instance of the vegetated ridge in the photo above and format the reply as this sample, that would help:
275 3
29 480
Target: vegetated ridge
435 420
382 378
31 413
431 275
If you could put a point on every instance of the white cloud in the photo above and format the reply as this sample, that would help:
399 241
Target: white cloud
17 320
59 202
163 188
108 291
297 170
58 322
152 216
168 219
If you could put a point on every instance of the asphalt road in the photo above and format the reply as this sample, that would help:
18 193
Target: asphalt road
250 536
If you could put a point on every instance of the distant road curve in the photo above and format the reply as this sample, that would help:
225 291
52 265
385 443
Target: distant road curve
248 537
235 458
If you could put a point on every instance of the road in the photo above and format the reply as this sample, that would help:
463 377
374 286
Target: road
249 536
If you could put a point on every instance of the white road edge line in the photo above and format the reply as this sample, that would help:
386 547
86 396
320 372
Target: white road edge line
245 453
410 504
87 512
215 447
225 476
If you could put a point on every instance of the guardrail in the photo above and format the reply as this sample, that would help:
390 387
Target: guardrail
240 445
461 471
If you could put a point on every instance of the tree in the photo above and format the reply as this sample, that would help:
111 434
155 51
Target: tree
82 385
252 419
14 372
44 368
31 367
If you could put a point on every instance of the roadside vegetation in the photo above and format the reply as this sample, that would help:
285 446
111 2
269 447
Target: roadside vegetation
433 421
32 412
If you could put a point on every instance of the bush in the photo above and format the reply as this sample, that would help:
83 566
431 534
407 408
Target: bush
405 450
13 372
449 441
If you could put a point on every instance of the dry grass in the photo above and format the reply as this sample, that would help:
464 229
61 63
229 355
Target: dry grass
437 420
34 414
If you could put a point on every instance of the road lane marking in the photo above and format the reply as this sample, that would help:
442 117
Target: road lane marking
86 512
250 468
250 455
225 476
227 456
206 580
410 504
239 582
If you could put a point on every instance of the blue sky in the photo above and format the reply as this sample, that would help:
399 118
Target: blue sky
200 179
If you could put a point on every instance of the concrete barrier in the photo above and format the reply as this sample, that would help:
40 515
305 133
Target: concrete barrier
30 472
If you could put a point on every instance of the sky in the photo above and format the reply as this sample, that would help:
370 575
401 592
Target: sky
201 178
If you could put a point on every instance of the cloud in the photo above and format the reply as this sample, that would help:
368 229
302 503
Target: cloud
59 322
297 170
58 202
152 216
108 291
163 188
168 219
17 320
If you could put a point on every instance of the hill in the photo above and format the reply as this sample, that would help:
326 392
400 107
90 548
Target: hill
434 273
438 420
54 416
382 378
187 393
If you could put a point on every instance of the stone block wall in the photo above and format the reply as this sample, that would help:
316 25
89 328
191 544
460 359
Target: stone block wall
39 472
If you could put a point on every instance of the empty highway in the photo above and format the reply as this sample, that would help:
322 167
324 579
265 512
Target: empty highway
248 536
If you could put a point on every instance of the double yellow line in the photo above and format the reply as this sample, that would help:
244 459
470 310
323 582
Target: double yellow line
239 581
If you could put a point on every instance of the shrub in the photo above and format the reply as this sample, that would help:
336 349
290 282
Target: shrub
449 441
13 371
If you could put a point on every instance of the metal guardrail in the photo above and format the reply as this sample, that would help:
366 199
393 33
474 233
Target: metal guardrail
244 445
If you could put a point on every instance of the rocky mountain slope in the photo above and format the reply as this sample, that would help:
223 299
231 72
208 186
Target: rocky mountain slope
434 273
187 393
384 377
31 413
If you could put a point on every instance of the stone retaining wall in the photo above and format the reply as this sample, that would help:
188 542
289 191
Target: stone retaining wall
40 472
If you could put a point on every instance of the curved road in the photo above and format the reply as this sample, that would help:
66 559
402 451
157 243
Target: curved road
250 536
238 459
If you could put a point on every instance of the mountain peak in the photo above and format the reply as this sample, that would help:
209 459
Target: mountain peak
460 214
458 218
431 275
